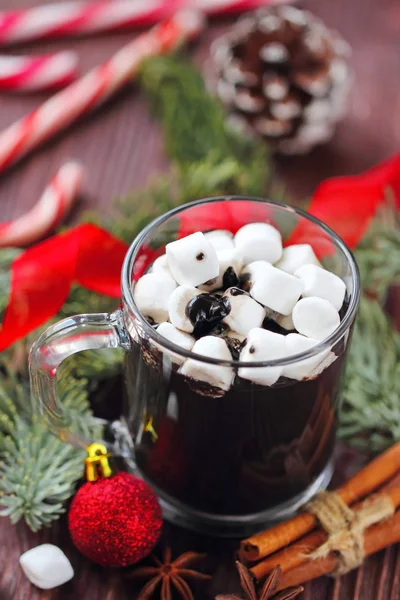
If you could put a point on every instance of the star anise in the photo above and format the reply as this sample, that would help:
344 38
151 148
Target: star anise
266 592
170 574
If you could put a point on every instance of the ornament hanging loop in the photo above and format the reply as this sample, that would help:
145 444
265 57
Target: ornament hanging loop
97 462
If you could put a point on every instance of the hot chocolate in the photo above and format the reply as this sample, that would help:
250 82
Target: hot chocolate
233 439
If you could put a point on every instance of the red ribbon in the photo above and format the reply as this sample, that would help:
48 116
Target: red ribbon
348 204
41 277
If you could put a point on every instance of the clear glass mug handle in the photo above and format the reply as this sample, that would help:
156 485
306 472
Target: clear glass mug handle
67 337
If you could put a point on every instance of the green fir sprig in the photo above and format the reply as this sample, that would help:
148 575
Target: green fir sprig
38 473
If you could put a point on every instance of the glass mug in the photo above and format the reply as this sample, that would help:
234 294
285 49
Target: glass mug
221 462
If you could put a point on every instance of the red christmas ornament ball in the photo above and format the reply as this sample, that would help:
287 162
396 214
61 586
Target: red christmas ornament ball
115 521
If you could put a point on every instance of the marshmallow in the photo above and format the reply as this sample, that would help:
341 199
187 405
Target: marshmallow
259 241
160 265
220 239
215 375
276 289
230 264
250 271
302 369
315 318
294 257
262 345
46 566
245 313
177 303
151 294
309 367
192 260
322 284
174 335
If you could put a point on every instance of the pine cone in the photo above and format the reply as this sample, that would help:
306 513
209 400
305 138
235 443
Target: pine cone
282 72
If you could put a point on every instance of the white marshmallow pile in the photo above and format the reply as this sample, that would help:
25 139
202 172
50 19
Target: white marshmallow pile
204 272
46 566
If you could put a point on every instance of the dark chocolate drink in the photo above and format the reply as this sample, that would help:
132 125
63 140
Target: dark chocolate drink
253 448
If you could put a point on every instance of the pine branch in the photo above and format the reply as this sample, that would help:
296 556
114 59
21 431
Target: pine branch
38 472
378 254
370 415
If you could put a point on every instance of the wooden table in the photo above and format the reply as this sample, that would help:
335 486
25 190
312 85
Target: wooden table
121 148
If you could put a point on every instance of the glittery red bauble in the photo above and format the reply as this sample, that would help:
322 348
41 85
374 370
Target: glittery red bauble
115 521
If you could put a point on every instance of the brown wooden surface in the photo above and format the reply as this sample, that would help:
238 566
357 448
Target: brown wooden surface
121 147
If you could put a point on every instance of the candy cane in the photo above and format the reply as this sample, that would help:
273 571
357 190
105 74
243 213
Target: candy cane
77 18
227 7
52 207
32 73
98 85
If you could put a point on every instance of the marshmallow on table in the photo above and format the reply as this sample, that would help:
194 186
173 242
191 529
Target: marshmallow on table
315 318
230 263
294 257
259 241
160 265
221 239
245 313
174 335
215 375
322 284
276 289
262 345
151 294
192 260
177 303
46 566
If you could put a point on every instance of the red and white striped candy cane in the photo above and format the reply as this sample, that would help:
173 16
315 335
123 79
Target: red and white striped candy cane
33 73
227 7
98 85
52 207
77 18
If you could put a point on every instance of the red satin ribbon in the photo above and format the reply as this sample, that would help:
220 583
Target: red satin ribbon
348 204
41 277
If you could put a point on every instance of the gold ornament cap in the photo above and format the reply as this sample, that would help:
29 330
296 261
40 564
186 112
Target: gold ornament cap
96 462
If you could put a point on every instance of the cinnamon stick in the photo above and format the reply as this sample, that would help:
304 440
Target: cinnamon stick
376 538
365 481
295 555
